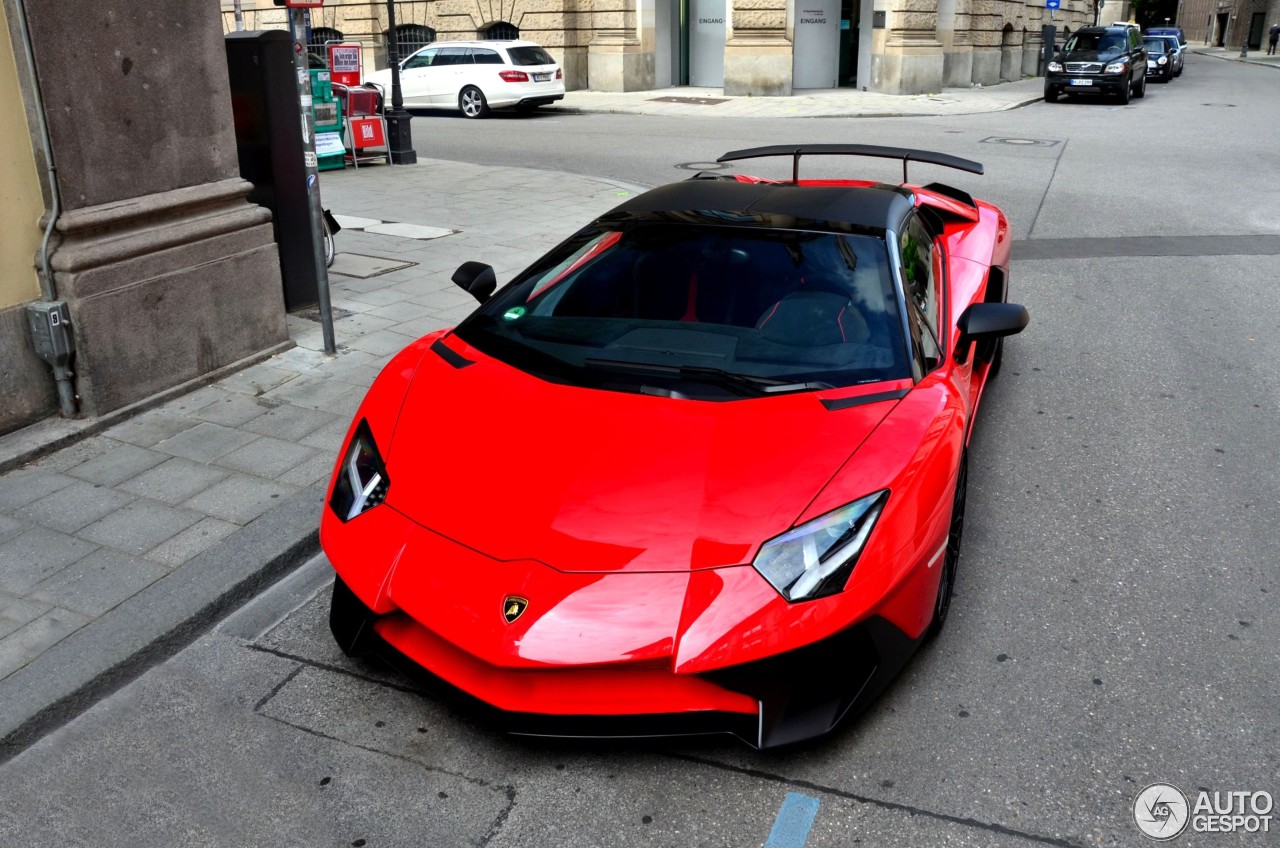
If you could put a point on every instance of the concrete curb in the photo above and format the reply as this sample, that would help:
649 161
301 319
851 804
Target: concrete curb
156 623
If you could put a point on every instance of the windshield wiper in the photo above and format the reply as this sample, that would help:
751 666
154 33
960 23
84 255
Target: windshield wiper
745 383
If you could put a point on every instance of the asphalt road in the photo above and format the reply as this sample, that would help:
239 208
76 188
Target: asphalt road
1115 623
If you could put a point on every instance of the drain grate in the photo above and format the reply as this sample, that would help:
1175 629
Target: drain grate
1024 142
1220 105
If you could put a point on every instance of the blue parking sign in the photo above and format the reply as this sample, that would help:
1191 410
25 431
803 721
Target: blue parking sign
1053 4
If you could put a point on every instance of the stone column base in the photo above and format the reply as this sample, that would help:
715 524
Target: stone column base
26 382
619 64
986 65
1032 49
957 67
574 64
1010 64
908 69
759 67
166 287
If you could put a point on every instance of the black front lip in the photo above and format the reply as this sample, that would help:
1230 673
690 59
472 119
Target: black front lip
802 694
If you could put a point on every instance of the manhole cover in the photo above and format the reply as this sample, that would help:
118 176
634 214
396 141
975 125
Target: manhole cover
1025 142
703 166
692 101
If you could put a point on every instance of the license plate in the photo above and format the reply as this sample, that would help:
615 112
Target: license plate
542 77
1080 82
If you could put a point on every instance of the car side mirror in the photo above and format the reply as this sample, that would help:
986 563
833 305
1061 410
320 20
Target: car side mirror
983 321
476 278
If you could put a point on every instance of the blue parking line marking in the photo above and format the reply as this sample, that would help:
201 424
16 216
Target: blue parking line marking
795 817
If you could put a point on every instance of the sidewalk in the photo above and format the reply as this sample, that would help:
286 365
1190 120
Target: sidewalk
130 534
825 103
1255 57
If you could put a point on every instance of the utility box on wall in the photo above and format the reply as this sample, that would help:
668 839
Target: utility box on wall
269 127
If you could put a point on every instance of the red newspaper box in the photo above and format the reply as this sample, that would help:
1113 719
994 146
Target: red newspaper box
344 64
367 132
357 101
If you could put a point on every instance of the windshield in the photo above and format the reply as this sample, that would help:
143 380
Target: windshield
1177 34
704 311
1159 45
1102 43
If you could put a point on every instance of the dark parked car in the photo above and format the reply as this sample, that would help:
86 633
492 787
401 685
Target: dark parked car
1176 32
1164 59
1099 61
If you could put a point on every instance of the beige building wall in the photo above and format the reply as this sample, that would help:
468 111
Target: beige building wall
610 45
565 27
21 202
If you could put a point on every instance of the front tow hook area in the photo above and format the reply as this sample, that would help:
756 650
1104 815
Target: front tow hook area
351 621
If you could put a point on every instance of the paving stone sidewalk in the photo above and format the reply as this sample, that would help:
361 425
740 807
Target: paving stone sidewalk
115 543
826 103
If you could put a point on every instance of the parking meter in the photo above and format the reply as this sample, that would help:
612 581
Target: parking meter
50 323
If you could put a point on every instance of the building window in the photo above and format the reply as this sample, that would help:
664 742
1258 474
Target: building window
320 36
500 31
412 38
317 53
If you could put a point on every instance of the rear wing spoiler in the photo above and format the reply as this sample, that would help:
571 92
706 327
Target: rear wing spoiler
906 154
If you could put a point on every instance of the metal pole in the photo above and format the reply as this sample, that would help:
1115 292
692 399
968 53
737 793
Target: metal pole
298 27
239 16
400 140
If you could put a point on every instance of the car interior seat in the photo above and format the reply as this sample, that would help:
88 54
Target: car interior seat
813 318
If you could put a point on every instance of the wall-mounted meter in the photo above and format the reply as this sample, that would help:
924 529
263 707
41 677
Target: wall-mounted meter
50 323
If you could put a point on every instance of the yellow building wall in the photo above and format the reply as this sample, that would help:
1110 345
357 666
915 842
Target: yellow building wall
21 203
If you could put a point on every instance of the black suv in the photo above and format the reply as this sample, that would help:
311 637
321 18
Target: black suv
1099 60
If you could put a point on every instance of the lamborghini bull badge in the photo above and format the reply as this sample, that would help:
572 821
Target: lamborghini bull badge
513 608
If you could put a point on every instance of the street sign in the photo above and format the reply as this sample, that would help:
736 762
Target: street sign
1053 4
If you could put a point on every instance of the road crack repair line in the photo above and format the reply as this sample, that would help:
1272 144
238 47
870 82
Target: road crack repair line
800 785
508 790
817 788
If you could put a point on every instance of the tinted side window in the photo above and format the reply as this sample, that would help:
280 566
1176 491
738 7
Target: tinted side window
485 57
922 283
421 60
453 56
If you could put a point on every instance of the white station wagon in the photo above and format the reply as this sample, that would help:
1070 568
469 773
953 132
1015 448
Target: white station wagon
476 76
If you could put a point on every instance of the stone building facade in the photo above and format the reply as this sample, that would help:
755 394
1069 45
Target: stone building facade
745 47
167 269
1229 23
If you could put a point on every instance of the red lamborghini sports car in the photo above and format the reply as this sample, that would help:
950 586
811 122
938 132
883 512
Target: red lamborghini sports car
700 469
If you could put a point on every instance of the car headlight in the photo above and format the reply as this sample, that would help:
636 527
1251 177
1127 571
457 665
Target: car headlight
1162 60
1116 68
815 559
362 480
1055 67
